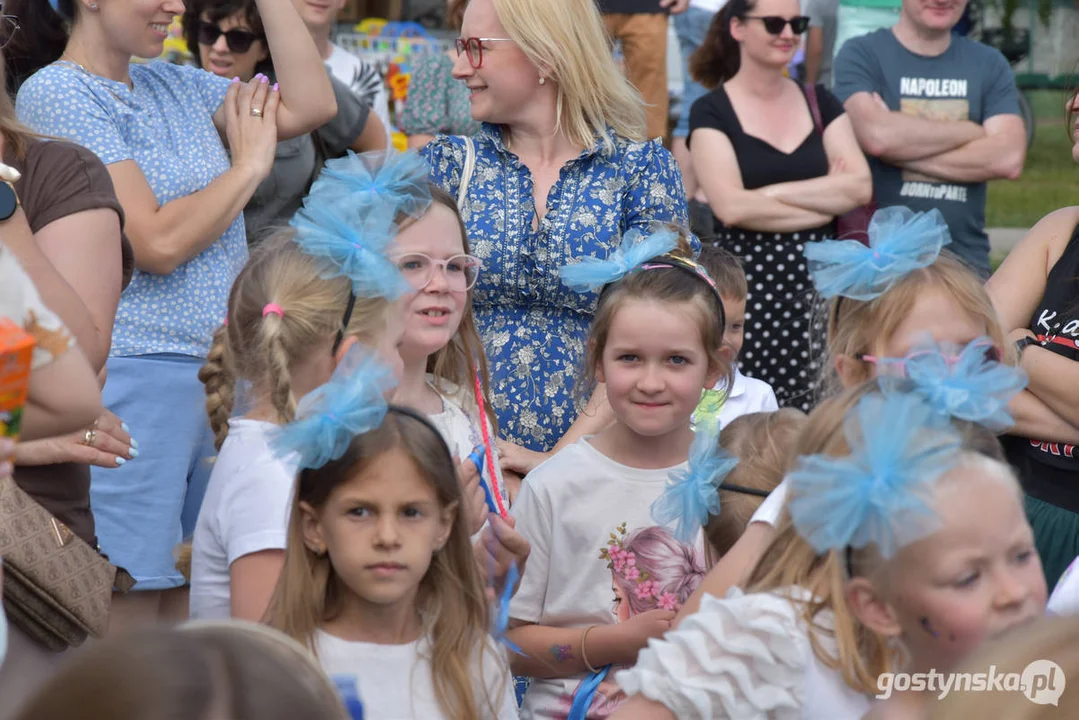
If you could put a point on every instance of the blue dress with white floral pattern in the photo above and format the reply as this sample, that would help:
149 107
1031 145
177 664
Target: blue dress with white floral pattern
533 327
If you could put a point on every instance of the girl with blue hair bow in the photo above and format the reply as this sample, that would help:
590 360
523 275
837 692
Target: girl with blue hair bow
379 579
901 307
307 298
904 547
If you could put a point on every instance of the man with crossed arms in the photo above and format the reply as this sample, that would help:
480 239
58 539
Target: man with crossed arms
938 116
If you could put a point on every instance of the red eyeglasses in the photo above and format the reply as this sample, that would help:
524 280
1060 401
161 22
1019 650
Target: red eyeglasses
473 48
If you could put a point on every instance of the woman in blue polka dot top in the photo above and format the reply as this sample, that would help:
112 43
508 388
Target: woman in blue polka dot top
162 132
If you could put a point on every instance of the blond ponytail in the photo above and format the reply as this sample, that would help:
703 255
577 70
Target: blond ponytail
219 382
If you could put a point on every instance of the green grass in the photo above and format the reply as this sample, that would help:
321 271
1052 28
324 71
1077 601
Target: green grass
1050 178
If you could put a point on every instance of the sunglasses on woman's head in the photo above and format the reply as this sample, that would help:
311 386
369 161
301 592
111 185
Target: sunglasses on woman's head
239 41
774 24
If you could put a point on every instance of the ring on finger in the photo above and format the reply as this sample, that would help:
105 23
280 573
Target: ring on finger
90 437
256 112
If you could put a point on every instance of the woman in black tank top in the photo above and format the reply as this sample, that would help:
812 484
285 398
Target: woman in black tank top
1036 293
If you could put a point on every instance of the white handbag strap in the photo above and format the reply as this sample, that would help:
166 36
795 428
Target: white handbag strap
466 172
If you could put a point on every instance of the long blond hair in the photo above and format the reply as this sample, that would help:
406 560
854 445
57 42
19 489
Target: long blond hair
451 596
855 327
568 41
861 654
261 346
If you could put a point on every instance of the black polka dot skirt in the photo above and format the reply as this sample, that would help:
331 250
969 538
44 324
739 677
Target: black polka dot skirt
785 323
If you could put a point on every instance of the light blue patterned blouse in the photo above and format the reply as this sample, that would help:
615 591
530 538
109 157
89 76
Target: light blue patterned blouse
165 124
533 327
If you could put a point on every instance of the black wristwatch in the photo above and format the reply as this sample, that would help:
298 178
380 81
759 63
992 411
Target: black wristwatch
9 201
1022 343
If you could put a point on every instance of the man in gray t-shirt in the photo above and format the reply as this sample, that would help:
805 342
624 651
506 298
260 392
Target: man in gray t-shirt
938 115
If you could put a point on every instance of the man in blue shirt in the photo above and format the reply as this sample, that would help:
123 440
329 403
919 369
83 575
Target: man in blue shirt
938 114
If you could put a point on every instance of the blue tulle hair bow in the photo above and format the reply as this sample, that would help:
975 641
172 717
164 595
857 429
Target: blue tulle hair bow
351 403
358 182
691 495
966 383
900 241
636 248
354 247
881 494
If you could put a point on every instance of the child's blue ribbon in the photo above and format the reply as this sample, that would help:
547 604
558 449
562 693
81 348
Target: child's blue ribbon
502 620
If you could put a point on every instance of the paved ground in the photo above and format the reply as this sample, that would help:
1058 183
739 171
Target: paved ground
1004 239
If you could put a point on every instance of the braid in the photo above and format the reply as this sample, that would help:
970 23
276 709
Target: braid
219 381
277 360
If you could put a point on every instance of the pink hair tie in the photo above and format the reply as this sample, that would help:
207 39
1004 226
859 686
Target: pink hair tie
273 308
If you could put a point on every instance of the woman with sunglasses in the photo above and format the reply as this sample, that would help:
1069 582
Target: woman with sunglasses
1036 292
226 37
777 172
161 131
562 170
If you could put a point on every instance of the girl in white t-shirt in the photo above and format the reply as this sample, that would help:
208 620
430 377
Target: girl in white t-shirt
656 343
892 306
904 548
288 328
379 579
445 370
296 309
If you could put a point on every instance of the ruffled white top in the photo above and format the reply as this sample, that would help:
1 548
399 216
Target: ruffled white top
746 656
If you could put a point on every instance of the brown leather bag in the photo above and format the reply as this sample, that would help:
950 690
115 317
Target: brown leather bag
57 589
853 225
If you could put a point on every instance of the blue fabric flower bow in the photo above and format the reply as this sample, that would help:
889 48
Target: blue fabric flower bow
692 494
636 248
882 492
900 241
970 385
396 180
330 416
355 248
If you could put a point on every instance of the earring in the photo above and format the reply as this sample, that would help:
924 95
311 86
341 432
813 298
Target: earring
543 81
93 7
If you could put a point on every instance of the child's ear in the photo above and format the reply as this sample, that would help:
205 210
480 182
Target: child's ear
591 353
312 529
851 370
448 517
717 370
872 610
346 344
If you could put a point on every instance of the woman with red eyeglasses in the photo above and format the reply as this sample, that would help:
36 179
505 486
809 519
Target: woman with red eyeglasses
226 37
778 163
1036 292
560 171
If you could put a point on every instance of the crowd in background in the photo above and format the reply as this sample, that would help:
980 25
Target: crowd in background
421 425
